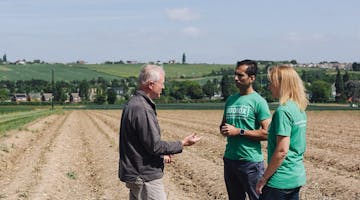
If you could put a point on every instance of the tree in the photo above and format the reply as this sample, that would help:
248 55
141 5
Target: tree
111 96
339 85
227 86
293 62
209 88
193 90
4 94
346 77
60 93
10 85
100 97
84 90
353 89
320 91
356 66
177 90
183 58
4 58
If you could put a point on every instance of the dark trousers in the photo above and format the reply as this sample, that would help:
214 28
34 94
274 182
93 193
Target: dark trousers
269 193
241 178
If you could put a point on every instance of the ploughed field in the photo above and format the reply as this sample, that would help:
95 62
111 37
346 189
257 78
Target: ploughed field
74 155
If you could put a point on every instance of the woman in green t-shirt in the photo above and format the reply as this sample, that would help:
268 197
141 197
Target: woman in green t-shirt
285 173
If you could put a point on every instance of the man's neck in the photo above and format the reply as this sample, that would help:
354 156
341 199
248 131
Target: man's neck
249 90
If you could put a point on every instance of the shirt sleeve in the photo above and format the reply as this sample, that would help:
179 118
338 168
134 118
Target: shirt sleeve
263 111
282 122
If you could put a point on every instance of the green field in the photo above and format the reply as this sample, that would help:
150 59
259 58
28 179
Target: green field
172 70
43 72
20 108
67 72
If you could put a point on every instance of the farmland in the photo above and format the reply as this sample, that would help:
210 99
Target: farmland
43 72
74 155
172 70
69 72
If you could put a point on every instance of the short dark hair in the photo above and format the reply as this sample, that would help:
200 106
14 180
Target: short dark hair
252 66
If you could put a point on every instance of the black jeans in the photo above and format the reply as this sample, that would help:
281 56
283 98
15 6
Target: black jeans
241 178
269 193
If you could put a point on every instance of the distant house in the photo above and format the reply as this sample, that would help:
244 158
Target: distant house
80 62
74 98
20 62
46 96
118 90
34 97
172 61
19 97
131 62
92 94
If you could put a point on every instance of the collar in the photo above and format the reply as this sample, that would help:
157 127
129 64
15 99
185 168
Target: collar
147 99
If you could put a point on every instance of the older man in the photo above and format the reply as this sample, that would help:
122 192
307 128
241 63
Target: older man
141 149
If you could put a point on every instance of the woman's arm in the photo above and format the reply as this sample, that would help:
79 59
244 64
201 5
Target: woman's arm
281 150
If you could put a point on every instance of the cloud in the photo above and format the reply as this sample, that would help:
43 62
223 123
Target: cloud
191 31
181 14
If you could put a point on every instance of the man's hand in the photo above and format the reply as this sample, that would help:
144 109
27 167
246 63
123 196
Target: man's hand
190 140
229 130
168 158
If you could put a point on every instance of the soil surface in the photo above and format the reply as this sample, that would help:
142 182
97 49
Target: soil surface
74 155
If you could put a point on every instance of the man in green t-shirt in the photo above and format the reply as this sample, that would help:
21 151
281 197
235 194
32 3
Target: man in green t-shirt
245 123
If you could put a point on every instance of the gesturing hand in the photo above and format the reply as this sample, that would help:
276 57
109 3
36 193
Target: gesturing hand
190 140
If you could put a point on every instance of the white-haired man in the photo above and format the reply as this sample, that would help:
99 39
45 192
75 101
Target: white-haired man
142 151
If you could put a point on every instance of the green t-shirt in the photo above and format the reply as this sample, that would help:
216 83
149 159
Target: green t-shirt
288 120
245 112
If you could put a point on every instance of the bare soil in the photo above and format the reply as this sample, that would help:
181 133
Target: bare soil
75 156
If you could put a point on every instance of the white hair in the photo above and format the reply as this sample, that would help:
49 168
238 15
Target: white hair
150 73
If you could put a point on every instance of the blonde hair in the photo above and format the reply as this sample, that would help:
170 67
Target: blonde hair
290 85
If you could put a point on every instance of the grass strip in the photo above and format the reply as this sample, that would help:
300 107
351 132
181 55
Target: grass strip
18 120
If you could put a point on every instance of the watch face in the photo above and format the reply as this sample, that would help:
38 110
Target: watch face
242 132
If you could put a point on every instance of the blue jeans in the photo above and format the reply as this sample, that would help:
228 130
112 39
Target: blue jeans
269 193
241 178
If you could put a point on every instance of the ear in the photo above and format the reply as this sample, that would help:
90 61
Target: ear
150 85
252 78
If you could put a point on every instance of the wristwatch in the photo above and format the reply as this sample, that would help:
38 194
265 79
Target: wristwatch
242 132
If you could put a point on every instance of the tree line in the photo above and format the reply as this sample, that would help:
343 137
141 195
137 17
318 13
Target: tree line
321 87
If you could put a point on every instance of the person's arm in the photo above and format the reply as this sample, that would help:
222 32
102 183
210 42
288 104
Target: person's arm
148 134
259 134
281 150
220 127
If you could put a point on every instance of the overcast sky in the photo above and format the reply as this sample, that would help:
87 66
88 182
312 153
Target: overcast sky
206 31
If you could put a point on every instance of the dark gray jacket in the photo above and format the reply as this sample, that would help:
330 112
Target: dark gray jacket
141 147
